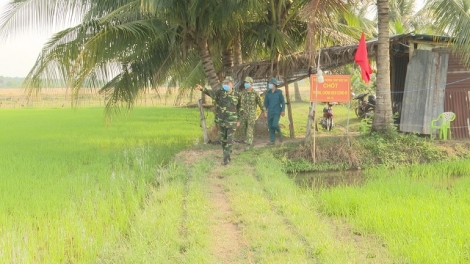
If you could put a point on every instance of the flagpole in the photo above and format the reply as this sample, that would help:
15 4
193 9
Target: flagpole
347 124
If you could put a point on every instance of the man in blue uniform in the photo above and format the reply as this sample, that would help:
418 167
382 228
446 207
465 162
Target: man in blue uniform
275 105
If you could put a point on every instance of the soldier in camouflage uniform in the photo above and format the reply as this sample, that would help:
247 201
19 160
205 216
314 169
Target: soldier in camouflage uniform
226 113
249 100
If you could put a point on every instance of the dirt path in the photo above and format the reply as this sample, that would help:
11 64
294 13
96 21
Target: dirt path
228 244
227 235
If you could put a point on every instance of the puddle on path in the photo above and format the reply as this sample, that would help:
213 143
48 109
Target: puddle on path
329 179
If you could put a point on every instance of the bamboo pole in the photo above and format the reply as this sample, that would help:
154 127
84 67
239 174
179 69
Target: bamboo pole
311 116
203 121
314 157
289 109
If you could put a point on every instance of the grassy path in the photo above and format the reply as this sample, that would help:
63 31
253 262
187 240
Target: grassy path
225 231
255 214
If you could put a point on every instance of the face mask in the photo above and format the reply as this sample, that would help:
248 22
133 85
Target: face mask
247 85
226 87
270 86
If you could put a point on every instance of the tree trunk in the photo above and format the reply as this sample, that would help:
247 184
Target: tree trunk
237 50
383 117
208 64
298 98
227 62
310 42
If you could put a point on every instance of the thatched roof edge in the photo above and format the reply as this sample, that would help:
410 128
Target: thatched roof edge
297 66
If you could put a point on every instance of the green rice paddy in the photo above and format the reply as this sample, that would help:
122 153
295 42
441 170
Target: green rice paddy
421 212
71 185
76 190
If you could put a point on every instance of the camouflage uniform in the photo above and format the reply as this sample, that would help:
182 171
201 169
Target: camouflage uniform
249 101
226 116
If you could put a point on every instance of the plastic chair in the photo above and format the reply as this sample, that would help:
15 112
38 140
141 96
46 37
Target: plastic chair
444 128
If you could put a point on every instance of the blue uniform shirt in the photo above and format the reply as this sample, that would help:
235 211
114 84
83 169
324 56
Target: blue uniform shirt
274 102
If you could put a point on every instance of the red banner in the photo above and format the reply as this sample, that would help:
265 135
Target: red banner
335 88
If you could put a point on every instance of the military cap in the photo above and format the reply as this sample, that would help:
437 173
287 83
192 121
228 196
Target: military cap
228 79
248 79
274 81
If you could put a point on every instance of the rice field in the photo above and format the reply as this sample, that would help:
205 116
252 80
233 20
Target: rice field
75 189
70 185
421 212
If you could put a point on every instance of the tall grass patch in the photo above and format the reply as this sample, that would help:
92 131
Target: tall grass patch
71 186
281 222
421 211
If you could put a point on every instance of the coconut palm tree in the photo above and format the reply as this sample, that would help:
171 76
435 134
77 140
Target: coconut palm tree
383 111
127 46
452 17
402 19
122 46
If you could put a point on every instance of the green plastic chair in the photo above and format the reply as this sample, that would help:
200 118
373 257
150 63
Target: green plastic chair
443 120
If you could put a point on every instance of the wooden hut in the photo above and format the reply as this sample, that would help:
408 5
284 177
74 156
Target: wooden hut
426 79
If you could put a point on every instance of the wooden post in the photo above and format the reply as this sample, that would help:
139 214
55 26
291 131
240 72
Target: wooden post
411 48
203 120
311 117
314 148
298 98
289 108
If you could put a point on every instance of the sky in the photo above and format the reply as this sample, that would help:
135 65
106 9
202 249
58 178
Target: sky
19 53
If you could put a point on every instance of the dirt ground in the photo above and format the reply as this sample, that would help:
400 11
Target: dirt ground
230 244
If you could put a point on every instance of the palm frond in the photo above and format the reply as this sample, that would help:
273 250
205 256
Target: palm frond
453 17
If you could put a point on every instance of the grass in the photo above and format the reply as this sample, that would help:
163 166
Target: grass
76 190
392 150
70 185
281 222
420 211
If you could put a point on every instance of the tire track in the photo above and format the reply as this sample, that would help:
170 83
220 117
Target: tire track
226 245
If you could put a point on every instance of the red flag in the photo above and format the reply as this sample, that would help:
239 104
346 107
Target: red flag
362 59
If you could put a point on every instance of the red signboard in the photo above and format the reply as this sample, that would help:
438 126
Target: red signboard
335 88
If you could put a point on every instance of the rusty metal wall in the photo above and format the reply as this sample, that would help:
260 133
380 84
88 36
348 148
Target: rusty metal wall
457 97
423 98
